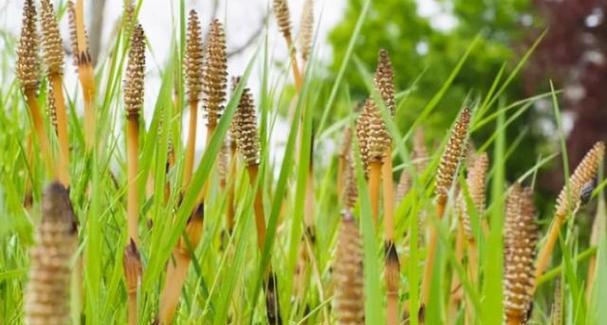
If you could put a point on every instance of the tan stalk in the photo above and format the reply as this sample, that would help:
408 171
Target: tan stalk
447 169
568 201
28 64
348 274
193 79
53 57
86 73
283 19
47 296
520 238
132 271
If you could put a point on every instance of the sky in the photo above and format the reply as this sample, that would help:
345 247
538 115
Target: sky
242 18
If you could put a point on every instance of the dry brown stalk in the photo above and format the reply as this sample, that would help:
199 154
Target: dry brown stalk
132 272
47 296
520 237
133 102
193 67
447 168
568 201
283 19
28 65
348 274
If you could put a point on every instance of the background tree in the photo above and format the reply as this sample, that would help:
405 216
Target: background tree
423 48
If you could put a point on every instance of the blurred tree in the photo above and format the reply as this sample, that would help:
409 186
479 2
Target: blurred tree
419 44
573 54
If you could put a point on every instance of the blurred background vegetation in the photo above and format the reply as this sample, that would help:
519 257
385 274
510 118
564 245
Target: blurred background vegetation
424 51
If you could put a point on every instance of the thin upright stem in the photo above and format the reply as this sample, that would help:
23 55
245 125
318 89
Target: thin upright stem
543 258
231 188
87 82
191 144
177 268
431 250
392 267
294 65
388 189
132 170
260 221
64 146
34 111
374 180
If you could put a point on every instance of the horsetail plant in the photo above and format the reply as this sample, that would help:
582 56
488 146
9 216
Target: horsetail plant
193 79
47 296
133 102
520 237
384 84
247 142
54 57
283 19
569 200
212 87
28 65
447 169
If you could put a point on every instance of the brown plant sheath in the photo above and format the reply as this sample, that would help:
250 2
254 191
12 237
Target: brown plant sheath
569 200
132 271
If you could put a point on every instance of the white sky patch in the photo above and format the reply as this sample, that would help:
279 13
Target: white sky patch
441 17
